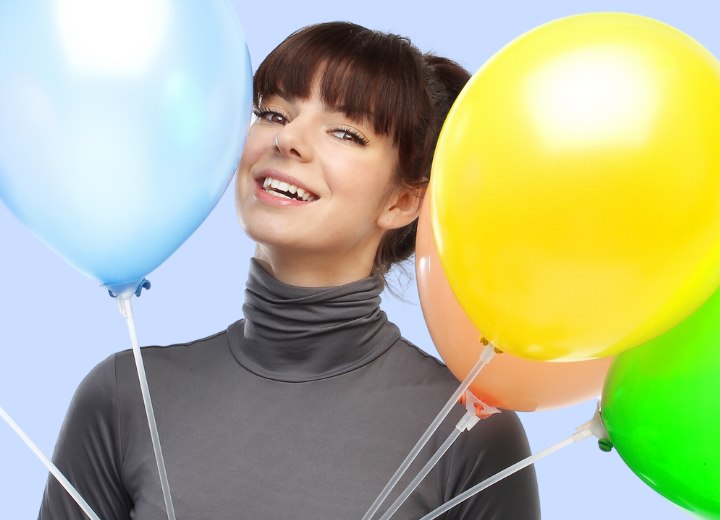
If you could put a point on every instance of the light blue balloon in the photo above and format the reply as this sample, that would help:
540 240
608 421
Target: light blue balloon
121 125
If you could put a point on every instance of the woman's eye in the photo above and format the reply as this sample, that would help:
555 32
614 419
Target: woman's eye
347 134
271 116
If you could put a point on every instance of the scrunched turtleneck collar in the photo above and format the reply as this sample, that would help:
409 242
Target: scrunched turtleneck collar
297 334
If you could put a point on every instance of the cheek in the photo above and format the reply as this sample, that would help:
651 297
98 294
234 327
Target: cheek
251 153
373 188
365 174
243 185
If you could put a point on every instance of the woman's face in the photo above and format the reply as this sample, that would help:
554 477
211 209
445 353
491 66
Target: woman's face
316 190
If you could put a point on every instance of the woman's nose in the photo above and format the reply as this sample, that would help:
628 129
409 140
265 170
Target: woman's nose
292 140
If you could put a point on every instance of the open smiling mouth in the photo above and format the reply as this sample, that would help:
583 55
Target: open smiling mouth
286 191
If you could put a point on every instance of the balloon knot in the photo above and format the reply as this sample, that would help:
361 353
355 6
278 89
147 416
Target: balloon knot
145 284
474 405
605 445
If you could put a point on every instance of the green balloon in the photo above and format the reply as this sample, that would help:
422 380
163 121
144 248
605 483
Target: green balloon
661 408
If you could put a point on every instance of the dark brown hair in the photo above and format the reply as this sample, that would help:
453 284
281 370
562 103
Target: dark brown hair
377 77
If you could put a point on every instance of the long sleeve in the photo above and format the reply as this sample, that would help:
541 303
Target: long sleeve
89 454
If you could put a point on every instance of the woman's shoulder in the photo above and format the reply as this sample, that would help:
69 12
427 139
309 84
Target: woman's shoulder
431 376
175 353
166 366
416 362
408 348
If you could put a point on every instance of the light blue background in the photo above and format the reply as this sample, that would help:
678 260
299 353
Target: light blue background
56 324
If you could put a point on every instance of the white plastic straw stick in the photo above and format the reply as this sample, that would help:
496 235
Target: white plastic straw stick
126 311
485 356
581 433
468 421
423 473
64 482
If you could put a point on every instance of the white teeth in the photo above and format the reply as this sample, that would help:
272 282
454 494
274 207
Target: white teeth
275 187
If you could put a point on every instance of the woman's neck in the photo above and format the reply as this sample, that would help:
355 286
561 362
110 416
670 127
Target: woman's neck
307 270
300 334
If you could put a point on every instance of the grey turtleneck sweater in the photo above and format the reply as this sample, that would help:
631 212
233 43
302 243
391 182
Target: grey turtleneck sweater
303 411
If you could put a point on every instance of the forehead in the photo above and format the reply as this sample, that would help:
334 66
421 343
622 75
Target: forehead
316 94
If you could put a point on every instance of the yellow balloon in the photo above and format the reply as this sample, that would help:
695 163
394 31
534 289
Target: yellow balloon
576 187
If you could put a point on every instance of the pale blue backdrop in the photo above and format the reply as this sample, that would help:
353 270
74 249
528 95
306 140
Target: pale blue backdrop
57 324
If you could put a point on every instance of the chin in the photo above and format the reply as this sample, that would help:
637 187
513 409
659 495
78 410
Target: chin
274 238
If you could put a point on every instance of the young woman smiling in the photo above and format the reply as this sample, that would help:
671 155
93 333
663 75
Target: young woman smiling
304 408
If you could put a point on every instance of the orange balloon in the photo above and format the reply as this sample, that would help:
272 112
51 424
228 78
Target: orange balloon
507 382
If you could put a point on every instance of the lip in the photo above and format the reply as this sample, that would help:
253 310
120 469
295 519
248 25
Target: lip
264 196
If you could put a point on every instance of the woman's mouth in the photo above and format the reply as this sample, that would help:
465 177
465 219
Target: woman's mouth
285 190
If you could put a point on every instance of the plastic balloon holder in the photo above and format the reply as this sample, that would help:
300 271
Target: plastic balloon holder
475 410
117 291
593 427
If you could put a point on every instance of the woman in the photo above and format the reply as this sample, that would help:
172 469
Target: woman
306 407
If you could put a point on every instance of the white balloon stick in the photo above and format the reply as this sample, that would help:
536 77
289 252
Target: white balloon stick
486 356
64 482
593 427
468 420
126 310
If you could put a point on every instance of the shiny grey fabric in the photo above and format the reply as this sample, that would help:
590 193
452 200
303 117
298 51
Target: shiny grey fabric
301 411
